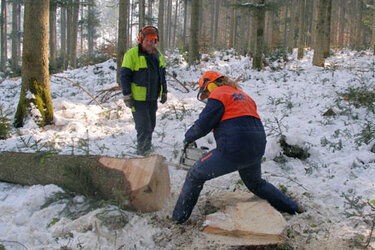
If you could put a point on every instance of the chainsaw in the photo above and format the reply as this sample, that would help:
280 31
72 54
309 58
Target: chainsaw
190 154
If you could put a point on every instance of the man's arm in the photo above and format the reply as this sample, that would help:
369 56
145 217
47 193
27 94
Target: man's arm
125 79
208 119
126 74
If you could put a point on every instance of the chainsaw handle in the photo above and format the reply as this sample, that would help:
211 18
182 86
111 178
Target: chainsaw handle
191 144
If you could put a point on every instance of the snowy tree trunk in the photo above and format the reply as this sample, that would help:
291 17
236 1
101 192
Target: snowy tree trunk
301 31
122 34
194 31
161 25
259 26
140 184
35 92
318 58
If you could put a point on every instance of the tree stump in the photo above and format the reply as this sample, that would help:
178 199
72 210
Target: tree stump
243 219
140 184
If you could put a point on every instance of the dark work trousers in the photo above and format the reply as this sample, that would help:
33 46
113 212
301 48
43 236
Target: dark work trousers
144 114
213 165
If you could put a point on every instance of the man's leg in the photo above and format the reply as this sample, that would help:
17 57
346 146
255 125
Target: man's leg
143 126
210 166
252 178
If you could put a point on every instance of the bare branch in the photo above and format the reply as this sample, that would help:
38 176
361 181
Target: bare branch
79 86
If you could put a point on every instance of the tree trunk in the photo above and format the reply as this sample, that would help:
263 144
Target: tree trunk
161 24
251 35
341 25
69 23
141 17
242 31
216 25
358 26
122 34
233 25
373 32
138 184
185 22
63 37
327 29
258 46
318 58
73 34
4 46
35 75
168 25
292 34
149 11
52 34
174 35
301 29
91 26
194 31
286 11
14 35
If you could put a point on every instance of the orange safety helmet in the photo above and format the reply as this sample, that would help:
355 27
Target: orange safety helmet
149 32
204 82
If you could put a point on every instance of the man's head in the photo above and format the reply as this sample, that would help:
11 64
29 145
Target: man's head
148 38
207 83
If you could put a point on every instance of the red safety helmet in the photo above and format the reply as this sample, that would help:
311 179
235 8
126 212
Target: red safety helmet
149 32
204 81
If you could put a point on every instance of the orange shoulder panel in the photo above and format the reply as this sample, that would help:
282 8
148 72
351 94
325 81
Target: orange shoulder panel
236 102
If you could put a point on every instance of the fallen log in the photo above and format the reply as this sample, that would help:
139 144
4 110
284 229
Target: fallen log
140 184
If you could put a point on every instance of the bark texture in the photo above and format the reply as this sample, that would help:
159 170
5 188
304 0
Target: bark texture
140 184
35 75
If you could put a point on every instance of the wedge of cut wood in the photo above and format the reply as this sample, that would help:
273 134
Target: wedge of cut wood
140 184
243 219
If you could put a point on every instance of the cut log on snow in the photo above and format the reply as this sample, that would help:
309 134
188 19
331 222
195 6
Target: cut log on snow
243 219
140 184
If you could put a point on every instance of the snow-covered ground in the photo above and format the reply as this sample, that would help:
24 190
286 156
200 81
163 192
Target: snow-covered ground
336 184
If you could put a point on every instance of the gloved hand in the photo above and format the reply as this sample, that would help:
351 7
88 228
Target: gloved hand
186 144
163 98
128 100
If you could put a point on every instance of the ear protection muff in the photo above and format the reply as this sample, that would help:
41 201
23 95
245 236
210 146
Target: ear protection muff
211 86
148 30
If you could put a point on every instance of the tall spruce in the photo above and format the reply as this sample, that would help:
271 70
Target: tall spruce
15 36
4 34
301 29
161 25
35 99
122 34
194 31
318 58
259 40
52 34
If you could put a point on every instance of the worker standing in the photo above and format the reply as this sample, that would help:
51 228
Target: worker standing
142 77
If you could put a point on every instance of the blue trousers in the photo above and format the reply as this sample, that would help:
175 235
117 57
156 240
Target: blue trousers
144 114
214 165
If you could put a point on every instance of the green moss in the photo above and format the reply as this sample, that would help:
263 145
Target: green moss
20 116
42 102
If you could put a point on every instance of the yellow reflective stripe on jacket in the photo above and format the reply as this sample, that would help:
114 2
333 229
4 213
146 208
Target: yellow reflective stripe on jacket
134 62
138 92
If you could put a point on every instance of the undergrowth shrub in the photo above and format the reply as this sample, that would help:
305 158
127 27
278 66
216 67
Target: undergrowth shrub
360 97
4 126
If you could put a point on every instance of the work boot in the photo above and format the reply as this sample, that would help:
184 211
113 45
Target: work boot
300 209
